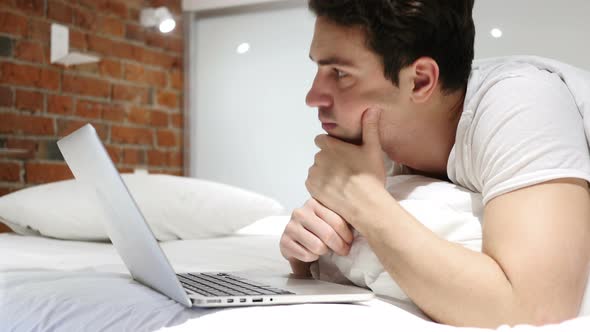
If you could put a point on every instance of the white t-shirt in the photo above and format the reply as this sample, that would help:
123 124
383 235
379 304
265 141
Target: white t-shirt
522 124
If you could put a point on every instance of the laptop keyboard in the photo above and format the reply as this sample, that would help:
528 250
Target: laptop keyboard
223 284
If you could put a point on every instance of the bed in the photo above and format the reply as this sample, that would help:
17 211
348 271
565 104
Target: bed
48 284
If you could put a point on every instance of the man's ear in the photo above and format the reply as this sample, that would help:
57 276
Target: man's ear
424 74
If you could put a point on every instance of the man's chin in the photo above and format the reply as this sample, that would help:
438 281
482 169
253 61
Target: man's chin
353 140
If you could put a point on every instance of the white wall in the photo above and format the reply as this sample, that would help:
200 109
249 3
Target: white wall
550 28
251 127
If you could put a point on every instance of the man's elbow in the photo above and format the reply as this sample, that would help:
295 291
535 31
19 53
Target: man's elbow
546 313
536 314
550 314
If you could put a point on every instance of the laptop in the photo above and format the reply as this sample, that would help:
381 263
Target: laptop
134 241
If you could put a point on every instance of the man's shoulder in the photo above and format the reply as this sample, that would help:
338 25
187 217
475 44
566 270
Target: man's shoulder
529 76
498 68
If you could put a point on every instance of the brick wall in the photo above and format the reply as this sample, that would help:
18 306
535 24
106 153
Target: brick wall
132 96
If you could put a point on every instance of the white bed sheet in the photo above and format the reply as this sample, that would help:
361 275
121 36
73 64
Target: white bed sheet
53 285
48 284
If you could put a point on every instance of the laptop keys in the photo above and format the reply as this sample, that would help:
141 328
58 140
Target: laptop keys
222 284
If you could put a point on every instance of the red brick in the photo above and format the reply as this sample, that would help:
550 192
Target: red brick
113 112
29 76
40 31
162 158
100 44
117 8
13 24
125 170
29 100
6 96
134 3
114 153
111 68
109 47
36 172
167 138
159 119
32 6
59 11
173 5
5 191
111 26
177 63
177 120
10 171
165 41
133 14
29 145
175 45
157 158
78 40
26 124
135 32
130 93
49 79
175 159
30 51
139 115
66 127
85 19
175 80
88 109
86 86
138 73
88 68
168 99
88 3
157 39
156 58
58 104
130 135
134 157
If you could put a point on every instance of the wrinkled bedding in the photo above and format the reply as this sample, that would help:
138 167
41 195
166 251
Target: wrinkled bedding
54 285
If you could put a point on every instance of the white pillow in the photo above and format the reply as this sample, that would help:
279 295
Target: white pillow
452 212
174 207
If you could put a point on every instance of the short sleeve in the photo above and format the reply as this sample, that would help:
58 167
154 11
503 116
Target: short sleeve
527 129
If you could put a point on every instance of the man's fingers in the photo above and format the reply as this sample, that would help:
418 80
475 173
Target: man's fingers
335 221
311 241
326 235
295 250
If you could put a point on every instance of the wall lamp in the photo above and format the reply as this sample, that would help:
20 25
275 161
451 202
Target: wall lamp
160 17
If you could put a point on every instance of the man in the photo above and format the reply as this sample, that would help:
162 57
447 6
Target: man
396 77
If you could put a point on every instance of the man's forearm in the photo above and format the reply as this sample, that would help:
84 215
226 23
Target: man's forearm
450 283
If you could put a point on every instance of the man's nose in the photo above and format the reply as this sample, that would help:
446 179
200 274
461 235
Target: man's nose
318 95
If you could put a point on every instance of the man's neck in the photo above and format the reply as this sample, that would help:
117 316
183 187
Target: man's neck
449 108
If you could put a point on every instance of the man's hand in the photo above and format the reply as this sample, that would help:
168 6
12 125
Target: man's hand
345 176
313 231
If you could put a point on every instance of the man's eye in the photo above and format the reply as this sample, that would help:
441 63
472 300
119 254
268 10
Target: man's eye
339 73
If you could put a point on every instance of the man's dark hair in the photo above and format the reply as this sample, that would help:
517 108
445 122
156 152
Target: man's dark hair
401 31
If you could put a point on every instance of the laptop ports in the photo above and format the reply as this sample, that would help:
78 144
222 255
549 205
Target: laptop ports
258 300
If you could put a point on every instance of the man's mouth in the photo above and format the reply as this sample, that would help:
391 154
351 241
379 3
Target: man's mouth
327 126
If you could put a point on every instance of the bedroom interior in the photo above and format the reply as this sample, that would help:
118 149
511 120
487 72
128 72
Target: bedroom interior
208 126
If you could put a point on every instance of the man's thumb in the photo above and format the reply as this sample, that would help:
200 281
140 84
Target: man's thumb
371 127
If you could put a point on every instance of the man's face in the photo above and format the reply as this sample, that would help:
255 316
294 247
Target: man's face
349 80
